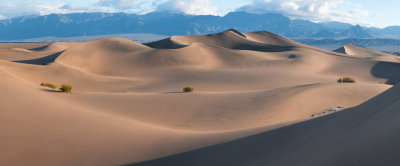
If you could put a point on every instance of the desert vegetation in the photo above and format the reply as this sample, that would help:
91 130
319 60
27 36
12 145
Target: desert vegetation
188 89
66 88
346 80
50 85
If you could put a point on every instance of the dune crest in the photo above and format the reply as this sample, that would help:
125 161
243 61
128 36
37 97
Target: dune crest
232 39
357 51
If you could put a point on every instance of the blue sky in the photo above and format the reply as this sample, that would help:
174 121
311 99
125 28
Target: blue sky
364 12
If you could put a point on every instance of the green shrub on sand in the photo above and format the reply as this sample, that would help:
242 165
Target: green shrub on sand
188 89
346 80
66 88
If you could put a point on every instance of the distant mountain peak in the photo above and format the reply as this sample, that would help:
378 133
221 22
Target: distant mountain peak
356 32
324 34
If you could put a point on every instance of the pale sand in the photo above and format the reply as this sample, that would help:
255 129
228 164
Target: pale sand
357 51
365 135
127 106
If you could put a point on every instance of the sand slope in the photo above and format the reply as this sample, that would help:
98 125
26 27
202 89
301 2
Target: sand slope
364 135
127 106
58 132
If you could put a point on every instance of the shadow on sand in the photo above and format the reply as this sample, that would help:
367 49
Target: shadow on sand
171 92
387 70
42 61
51 90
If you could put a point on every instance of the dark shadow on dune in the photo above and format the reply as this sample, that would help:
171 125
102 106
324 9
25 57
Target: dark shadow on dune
236 32
172 92
260 149
43 60
263 47
387 70
168 44
364 135
51 90
39 48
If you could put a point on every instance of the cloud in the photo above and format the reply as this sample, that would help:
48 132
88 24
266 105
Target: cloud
195 7
14 9
2 17
118 4
316 10
128 6
10 9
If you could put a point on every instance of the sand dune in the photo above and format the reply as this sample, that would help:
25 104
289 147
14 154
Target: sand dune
127 106
229 39
364 135
270 38
366 53
241 109
40 128
18 54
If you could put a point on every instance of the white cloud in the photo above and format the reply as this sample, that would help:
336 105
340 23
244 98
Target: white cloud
118 4
316 10
2 17
10 9
128 6
14 9
196 7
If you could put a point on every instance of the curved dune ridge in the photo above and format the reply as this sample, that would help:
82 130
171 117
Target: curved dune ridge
361 52
97 57
255 94
55 47
258 41
16 54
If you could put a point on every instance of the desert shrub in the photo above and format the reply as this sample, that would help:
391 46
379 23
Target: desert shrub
346 80
66 88
188 89
50 85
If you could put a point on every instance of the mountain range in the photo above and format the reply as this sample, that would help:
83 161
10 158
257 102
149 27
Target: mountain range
173 23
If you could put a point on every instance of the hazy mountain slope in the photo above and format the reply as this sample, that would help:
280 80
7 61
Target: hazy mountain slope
171 23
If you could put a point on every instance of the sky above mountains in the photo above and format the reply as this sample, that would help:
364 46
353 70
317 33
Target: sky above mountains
364 12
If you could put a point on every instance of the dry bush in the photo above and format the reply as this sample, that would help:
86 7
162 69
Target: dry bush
188 89
346 80
50 85
66 88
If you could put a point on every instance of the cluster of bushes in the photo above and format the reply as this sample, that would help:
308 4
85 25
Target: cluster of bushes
188 89
65 88
346 80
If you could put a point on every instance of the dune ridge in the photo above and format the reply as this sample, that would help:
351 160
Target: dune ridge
54 47
366 53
